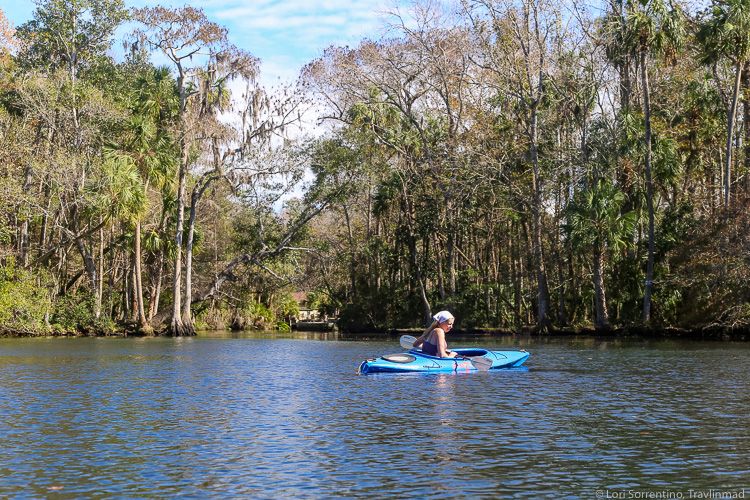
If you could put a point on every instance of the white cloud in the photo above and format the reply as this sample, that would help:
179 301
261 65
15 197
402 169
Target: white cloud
271 22
281 18
284 34
287 34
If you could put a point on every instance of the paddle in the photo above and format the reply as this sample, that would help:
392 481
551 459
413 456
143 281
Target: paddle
479 362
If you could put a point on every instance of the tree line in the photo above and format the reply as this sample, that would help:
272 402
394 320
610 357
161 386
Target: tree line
129 198
524 163
530 163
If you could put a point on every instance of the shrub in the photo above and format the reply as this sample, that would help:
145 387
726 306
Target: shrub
74 313
24 300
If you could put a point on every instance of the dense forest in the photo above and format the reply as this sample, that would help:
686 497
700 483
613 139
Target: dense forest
527 164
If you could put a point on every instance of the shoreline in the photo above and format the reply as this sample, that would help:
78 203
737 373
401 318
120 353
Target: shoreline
719 334
716 333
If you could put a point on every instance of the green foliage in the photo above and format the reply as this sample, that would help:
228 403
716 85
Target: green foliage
61 29
667 301
120 191
476 304
24 299
654 25
702 115
215 317
251 226
372 309
379 118
283 327
386 192
676 226
426 182
286 306
626 287
595 219
258 313
322 302
253 313
360 314
725 31
73 313
668 161
6 233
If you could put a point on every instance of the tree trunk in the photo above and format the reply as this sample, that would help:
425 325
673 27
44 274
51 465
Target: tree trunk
153 304
543 302
559 262
601 321
412 241
187 314
90 267
176 326
517 277
352 252
426 308
133 298
624 68
126 289
100 292
573 289
451 258
141 319
440 277
731 118
23 243
625 174
112 307
649 191
45 219
746 121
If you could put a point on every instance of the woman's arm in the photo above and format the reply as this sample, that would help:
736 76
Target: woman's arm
424 335
443 345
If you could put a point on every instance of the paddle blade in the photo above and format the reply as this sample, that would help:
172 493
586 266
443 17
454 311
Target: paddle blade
407 341
481 363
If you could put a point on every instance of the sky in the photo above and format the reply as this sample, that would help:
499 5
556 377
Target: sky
284 34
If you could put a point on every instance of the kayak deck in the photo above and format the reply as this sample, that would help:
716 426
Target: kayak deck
416 361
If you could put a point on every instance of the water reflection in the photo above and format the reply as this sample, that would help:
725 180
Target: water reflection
275 334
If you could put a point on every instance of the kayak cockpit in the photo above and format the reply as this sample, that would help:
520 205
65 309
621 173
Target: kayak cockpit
471 352
399 358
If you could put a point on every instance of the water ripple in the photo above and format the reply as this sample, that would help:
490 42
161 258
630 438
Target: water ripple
287 417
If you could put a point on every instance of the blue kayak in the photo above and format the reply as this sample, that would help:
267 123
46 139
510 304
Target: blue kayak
416 361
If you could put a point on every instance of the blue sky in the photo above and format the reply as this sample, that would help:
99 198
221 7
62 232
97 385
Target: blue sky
284 34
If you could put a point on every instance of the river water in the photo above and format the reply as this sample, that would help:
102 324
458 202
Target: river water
269 416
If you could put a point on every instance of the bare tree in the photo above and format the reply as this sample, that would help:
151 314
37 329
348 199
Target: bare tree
517 38
204 61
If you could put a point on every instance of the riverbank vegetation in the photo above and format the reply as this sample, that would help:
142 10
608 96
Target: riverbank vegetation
524 163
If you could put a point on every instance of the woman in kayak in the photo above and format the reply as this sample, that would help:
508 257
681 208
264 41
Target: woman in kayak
432 340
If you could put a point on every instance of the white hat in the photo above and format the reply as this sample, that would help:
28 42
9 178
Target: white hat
443 316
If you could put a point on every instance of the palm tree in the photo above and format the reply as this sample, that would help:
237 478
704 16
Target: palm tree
595 224
147 148
725 32
652 28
